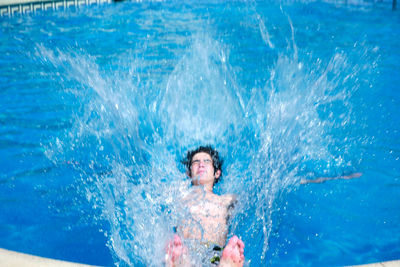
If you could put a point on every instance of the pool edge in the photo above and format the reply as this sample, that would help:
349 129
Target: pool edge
18 2
11 258
393 263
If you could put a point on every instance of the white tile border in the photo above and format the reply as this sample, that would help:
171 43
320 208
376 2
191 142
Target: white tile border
17 7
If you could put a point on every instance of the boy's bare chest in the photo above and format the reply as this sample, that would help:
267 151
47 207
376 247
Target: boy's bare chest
206 218
206 208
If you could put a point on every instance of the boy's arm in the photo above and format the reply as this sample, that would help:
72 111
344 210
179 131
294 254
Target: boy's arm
230 200
323 179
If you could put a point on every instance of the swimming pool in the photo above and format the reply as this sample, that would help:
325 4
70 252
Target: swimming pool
99 104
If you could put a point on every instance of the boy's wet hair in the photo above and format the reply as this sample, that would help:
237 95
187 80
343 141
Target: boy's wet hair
217 161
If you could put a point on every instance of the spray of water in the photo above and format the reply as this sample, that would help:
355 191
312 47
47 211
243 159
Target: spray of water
126 138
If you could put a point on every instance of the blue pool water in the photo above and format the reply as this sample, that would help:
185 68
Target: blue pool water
98 105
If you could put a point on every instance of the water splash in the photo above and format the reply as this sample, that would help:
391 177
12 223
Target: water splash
291 135
198 100
127 138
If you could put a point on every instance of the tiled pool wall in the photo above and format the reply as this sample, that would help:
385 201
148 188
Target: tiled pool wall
18 8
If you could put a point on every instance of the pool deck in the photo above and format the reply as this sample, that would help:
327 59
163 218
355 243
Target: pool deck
15 259
22 2
17 2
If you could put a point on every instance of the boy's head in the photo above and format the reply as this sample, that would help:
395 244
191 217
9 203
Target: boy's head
194 158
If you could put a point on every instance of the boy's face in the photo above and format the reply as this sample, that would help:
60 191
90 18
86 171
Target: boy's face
202 169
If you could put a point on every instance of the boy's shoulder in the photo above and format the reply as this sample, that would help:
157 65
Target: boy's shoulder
228 199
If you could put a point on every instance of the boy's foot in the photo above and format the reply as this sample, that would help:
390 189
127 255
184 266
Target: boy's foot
175 252
233 254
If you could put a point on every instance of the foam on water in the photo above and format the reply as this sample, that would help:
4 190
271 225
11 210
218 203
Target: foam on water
128 136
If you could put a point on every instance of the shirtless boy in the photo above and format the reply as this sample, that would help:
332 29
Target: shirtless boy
207 223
